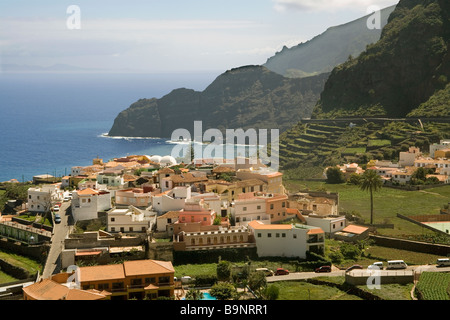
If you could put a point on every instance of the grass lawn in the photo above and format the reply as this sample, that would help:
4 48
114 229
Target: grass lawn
392 291
387 203
301 290
32 266
5 278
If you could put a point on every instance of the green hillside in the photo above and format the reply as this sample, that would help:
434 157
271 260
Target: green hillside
399 73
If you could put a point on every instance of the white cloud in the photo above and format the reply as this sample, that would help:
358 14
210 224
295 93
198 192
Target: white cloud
330 5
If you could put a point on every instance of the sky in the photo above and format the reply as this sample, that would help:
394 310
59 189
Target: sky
170 36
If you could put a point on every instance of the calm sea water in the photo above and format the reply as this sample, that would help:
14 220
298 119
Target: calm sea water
51 122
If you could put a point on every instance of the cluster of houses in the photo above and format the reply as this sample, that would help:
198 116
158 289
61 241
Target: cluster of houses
401 173
199 206
203 205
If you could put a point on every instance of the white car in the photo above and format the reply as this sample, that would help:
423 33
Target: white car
56 208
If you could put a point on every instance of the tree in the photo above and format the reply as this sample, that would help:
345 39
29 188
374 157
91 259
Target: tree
194 294
272 292
223 291
335 175
223 270
257 282
371 181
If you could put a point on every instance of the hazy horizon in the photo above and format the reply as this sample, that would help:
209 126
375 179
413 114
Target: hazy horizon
157 37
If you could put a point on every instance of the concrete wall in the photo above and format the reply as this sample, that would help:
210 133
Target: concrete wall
417 246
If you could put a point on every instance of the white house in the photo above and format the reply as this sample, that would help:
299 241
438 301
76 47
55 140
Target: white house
165 222
171 200
130 219
211 199
406 159
111 178
248 208
88 202
134 197
286 240
444 144
42 199
329 224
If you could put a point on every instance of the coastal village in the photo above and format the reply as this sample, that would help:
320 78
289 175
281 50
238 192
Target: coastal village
117 225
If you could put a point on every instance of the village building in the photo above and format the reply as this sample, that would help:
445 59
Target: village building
88 202
130 220
286 240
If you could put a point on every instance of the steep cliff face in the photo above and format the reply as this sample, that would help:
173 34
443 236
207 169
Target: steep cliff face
401 71
246 97
329 49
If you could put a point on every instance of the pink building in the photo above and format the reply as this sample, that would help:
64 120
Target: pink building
194 212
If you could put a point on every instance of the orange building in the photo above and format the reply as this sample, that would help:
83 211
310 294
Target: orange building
140 279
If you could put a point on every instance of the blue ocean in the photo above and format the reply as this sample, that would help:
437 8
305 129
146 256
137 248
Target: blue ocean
52 122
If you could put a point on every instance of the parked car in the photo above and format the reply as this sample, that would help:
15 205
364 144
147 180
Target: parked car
323 269
281 272
66 199
57 218
444 262
376 265
266 271
396 264
56 208
353 267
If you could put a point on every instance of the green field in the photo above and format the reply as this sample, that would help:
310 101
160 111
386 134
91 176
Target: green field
301 290
434 286
387 203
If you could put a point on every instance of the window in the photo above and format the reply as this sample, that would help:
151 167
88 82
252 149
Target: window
314 207
244 208
243 190
271 206
259 235
169 220
252 189
113 219
131 229
258 207
150 280
29 197
143 229
122 229
113 229
204 219
277 235
294 236
136 282
269 235
342 224
164 280
283 204
244 219
283 235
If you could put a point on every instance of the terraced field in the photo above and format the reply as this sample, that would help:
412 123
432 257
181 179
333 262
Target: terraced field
334 142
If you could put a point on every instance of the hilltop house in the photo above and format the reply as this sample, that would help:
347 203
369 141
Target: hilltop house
138 197
286 240
171 200
165 222
88 202
42 199
274 180
130 220
319 203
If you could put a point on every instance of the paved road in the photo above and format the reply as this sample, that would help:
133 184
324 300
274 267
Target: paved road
309 275
60 232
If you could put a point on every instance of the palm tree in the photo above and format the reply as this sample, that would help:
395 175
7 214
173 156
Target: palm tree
371 182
